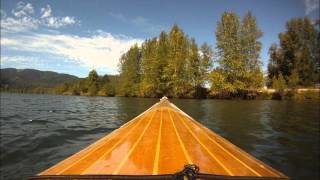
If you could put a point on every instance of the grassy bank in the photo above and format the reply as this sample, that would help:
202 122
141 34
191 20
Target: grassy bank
289 94
267 94
270 94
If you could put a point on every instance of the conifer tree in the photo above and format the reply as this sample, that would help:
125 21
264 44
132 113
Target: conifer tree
171 65
298 51
293 79
205 62
130 72
150 69
230 57
238 50
251 48
162 57
176 70
194 65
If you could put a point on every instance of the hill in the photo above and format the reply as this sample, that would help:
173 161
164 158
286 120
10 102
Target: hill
31 78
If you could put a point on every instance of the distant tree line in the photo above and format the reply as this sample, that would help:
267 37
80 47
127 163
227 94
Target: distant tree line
238 62
295 62
174 65
91 86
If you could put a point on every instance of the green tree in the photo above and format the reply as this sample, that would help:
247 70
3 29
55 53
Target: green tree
93 89
230 57
61 88
105 86
206 62
178 85
194 71
251 48
107 89
200 62
150 67
76 88
273 66
238 54
105 79
162 57
298 51
293 79
92 83
219 82
130 72
93 76
279 84
171 65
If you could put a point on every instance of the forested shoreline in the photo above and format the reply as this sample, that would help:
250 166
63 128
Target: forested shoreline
174 65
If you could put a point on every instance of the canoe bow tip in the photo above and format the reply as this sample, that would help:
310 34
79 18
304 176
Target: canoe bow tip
164 102
164 98
169 119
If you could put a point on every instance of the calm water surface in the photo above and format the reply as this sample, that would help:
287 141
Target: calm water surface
38 131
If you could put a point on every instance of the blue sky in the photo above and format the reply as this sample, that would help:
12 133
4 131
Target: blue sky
74 36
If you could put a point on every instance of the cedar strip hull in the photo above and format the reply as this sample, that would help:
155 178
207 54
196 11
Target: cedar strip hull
162 140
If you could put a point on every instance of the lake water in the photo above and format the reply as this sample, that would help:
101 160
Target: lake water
38 131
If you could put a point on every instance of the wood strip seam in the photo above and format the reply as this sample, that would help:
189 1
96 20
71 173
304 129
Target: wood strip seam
93 149
86 148
122 138
207 149
91 145
180 141
156 159
245 154
228 152
248 156
116 171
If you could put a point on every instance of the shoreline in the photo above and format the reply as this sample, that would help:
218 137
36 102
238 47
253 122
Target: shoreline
265 94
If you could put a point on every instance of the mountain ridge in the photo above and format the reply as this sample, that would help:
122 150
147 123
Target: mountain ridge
31 78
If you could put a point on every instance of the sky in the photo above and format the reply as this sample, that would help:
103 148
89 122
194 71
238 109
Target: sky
76 36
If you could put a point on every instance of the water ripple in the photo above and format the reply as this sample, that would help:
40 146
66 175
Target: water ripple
38 131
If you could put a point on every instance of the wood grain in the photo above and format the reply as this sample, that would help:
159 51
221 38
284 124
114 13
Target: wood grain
161 141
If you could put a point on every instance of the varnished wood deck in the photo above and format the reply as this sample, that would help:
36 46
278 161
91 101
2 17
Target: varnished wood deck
161 141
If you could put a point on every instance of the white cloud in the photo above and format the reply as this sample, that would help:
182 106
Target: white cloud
57 22
23 9
311 6
18 59
25 61
102 50
68 20
11 25
46 12
8 42
24 20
